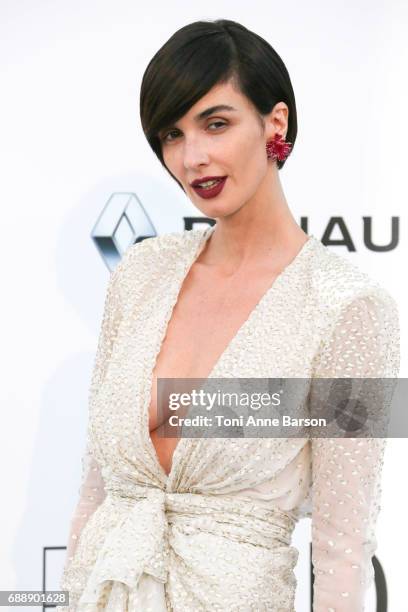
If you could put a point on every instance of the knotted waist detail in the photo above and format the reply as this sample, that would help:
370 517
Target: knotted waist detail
149 517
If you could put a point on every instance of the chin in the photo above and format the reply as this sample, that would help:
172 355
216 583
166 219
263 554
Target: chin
220 211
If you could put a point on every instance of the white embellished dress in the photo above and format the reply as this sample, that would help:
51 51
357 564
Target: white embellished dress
215 534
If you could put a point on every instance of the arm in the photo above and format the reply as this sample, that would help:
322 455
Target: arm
91 492
346 472
91 495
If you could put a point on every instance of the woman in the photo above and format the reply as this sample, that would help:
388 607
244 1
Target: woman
206 524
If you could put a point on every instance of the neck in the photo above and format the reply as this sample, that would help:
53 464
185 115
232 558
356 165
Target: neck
262 227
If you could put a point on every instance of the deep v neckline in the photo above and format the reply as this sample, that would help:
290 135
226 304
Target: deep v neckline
188 264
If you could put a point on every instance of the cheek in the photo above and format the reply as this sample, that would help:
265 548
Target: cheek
170 163
247 160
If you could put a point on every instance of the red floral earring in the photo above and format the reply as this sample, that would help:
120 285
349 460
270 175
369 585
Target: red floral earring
278 148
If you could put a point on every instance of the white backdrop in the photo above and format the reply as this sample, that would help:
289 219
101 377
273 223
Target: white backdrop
71 137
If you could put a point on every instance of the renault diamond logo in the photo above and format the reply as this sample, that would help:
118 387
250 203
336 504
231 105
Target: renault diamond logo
122 222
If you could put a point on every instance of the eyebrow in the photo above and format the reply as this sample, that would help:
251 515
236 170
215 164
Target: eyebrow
213 109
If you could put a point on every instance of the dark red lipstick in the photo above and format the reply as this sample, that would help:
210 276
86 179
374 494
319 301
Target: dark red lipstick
209 191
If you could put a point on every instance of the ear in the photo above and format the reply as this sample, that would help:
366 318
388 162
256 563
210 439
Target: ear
276 122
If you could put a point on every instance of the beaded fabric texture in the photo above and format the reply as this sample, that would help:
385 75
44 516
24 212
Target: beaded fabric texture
215 534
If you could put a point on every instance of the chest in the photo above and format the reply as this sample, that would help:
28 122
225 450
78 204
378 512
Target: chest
205 319
183 329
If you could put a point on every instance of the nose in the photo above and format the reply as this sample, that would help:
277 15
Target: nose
194 154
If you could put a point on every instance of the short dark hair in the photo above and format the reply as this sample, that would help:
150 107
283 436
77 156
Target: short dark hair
203 54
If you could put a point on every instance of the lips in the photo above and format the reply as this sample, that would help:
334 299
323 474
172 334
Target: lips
204 179
209 192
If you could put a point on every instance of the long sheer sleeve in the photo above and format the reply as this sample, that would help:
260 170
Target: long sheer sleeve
91 491
91 494
346 472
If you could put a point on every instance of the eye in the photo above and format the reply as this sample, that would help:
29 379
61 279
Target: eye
171 135
219 123
165 137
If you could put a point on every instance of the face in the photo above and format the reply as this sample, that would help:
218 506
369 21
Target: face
221 136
